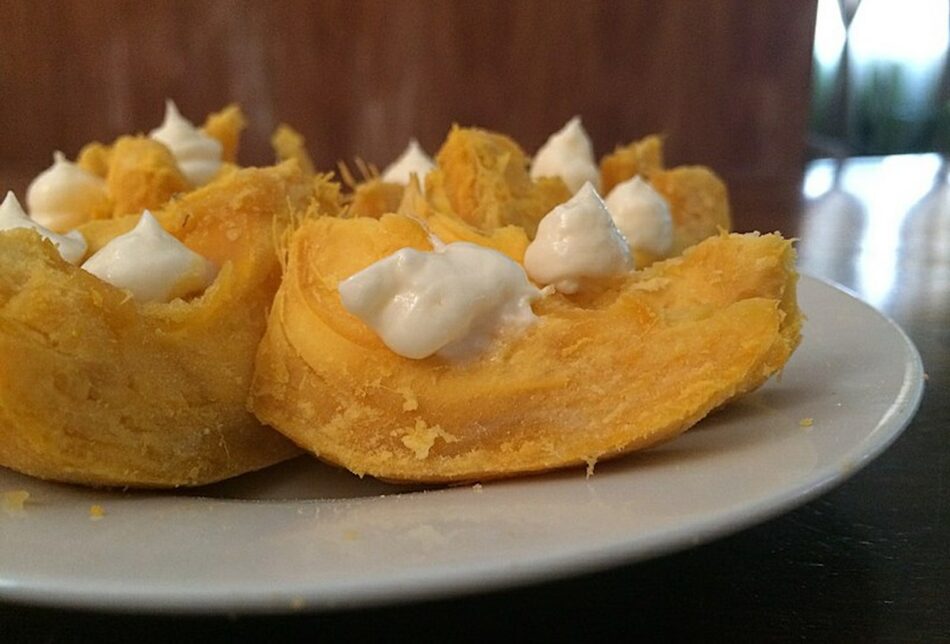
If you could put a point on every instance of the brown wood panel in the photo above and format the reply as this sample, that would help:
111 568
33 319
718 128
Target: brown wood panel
727 80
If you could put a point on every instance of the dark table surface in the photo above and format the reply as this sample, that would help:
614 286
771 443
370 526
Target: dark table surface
869 561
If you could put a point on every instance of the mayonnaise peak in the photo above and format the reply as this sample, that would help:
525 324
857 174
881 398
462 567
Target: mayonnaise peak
65 195
71 246
642 215
452 302
198 155
568 154
151 264
577 243
413 160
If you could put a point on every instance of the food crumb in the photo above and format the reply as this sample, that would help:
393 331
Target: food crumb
410 402
96 512
296 603
477 488
14 501
590 467
351 535
806 422
421 438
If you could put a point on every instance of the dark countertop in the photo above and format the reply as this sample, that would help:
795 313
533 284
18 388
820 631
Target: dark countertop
870 560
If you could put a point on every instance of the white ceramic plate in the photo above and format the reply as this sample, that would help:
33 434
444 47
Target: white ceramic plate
303 536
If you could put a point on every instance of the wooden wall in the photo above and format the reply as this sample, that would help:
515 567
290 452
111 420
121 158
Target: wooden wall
727 80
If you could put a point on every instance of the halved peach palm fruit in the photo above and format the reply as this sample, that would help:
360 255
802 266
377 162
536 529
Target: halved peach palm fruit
98 389
596 376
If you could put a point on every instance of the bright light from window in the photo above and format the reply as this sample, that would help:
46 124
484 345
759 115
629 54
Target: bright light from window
819 179
905 31
829 34
897 183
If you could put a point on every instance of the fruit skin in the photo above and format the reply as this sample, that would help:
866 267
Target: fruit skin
622 369
98 389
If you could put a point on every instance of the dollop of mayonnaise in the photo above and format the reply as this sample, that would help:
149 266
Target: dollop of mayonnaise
71 246
198 155
568 154
64 195
151 264
642 215
452 302
577 242
413 160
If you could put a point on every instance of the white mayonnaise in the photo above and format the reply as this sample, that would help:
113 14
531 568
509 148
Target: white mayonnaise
577 243
568 154
151 264
642 215
413 160
198 155
64 195
452 302
71 246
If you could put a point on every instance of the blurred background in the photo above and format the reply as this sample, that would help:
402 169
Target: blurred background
726 80
751 88
879 77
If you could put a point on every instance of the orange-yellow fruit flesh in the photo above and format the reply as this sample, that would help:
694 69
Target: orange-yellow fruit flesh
698 199
94 158
142 174
699 203
482 178
226 127
596 377
643 157
289 144
510 240
98 389
374 198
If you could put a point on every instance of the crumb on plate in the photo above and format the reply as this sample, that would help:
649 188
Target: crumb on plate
591 464
14 501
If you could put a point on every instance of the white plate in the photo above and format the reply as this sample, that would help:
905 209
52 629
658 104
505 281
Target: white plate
303 535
